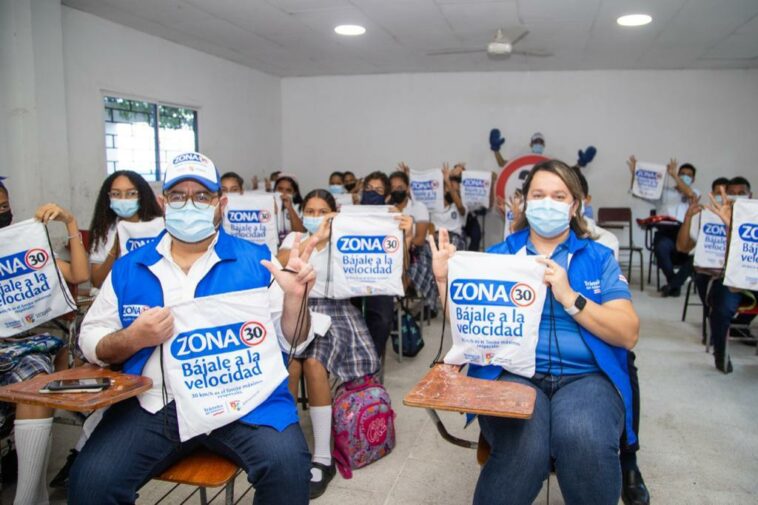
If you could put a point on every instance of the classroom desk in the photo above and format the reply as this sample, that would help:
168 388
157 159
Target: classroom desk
123 387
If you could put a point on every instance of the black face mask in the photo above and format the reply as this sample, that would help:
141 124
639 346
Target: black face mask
398 196
448 198
6 218
349 186
372 198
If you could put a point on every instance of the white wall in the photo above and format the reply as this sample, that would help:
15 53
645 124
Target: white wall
33 128
366 123
239 108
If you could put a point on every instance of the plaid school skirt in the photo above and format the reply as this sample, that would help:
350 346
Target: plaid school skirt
22 358
347 350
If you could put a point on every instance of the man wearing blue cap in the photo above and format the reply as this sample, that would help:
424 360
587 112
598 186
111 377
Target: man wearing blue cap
130 320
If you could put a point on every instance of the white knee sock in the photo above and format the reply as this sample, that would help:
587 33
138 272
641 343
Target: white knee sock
321 419
33 437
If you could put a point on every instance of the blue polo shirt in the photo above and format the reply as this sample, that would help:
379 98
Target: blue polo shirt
565 352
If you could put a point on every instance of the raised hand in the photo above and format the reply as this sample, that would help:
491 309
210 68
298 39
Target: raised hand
298 275
586 156
632 164
496 139
255 182
441 254
694 207
722 209
672 167
324 229
52 212
402 167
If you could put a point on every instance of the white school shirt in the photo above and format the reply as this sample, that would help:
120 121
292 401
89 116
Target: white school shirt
449 218
603 236
100 254
672 202
102 319
319 260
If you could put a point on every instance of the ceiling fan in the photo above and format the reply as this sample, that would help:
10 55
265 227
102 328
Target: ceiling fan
500 46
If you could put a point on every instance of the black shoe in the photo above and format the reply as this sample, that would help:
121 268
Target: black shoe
664 290
60 480
327 473
720 364
633 489
675 292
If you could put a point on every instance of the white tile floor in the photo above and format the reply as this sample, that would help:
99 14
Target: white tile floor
699 436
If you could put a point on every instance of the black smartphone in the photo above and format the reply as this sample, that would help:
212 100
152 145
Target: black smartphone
77 385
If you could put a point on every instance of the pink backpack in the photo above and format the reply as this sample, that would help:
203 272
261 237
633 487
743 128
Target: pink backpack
363 425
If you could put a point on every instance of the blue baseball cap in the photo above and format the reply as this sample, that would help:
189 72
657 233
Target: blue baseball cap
192 166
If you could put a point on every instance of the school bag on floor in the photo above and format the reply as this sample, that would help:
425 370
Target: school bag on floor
412 340
363 424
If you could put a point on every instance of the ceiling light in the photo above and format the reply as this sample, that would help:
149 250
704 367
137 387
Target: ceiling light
634 20
350 30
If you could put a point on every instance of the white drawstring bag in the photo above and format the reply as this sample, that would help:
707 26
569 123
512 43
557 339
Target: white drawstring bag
428 188
366 209
495 305
252 217
742 261
366 256
649 179
223 361
132 236
32 289
475 189
710 248
344 201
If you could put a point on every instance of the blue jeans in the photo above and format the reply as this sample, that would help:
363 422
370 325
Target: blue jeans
723 306
666 255
577 423
130 446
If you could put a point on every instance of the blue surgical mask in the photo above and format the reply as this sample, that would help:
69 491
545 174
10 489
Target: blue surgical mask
547 217
734 198
336 189
687 179
538 148
125 207
312 223
190 224
372 198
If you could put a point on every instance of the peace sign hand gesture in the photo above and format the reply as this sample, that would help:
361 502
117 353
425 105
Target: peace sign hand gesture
298 275
441 254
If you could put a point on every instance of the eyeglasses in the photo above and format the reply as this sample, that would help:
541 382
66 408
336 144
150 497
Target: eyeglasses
178 199
131 194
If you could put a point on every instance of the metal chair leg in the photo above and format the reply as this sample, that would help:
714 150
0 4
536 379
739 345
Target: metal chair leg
686 299
203 496
229 493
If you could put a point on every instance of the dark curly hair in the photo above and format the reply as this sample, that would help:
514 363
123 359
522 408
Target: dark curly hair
104 217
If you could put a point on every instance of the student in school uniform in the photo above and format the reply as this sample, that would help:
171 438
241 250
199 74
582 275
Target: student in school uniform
453 217
231 182
124 195
345 352
289 219
27 355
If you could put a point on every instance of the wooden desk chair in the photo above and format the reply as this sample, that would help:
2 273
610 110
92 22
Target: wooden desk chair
619 218
751 310
445 387
203 469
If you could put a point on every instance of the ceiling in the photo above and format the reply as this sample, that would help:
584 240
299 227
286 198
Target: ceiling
296 38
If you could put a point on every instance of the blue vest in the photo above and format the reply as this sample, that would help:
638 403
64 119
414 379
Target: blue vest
239 269
587 260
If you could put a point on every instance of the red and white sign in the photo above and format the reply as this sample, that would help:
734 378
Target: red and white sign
512 178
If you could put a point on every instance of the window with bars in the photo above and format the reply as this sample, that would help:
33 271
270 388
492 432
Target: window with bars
145 136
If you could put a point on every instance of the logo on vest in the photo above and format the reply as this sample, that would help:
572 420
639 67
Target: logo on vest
132 311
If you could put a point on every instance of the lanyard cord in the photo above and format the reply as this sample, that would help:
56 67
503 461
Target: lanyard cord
61 282
436 359
553 333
